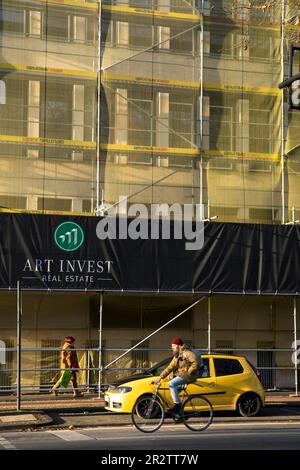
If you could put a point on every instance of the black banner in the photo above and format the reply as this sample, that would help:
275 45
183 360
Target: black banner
64 252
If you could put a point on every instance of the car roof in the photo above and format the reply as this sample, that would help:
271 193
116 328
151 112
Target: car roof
222 356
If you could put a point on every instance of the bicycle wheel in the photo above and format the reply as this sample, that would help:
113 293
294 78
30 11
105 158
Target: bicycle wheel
197 413
148 414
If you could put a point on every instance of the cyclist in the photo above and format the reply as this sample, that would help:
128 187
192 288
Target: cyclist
186 365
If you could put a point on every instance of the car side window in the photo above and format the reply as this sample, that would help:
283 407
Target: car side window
227 367
204 373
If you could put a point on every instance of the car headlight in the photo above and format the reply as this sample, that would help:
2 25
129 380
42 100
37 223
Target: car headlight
122 389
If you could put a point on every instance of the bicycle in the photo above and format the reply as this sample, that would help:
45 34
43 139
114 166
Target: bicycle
148 413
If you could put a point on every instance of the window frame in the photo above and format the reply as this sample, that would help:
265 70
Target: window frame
230 360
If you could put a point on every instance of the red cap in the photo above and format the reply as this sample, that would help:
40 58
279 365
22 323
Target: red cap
69 339
177 341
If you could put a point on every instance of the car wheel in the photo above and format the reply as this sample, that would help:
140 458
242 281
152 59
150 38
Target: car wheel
249 405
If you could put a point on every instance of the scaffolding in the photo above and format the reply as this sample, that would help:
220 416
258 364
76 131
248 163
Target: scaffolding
185 96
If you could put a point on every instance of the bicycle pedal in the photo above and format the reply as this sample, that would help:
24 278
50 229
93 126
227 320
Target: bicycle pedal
177 418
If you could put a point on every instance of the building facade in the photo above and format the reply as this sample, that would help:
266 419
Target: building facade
189 112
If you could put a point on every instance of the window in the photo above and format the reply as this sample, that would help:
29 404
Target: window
12 20
34 23
261 46
181 121
86 205
54 204
140 35
177 161
221 128
56 25
58 112
107 32
181 41
122 30
163 37
205 374
79 28
140 122
227 367
261 166
2 92
13 202
224 211
138 159
220 163
141 3
259 214
260 130
13 112
221 43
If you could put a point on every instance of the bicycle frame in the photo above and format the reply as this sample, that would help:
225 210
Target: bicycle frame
182 398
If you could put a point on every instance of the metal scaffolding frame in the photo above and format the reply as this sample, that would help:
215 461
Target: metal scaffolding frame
102 368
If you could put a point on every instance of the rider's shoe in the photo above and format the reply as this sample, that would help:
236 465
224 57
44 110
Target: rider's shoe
178 418
176 408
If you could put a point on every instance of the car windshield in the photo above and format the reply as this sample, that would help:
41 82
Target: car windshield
159 367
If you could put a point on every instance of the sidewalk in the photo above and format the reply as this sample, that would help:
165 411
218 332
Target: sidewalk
91 401
64 411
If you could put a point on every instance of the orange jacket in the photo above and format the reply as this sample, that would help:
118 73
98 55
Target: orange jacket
68 358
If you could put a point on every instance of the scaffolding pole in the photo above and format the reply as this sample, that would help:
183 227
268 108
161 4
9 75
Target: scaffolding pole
209 326
19 346
295 346
100 344
282 116
202 215
98 124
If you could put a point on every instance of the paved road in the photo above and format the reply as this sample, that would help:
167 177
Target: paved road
260 436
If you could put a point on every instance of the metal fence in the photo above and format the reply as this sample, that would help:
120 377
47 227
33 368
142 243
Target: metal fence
94 378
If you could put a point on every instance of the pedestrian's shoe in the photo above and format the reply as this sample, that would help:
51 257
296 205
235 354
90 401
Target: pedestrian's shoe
77 394
54 392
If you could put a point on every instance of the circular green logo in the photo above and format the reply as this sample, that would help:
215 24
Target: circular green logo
69 236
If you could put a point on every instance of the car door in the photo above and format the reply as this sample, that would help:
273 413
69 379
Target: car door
230 378
205 384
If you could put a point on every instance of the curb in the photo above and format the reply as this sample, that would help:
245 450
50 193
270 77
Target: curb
42 419
51 424
169 421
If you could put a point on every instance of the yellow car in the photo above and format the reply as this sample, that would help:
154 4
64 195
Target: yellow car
229 382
